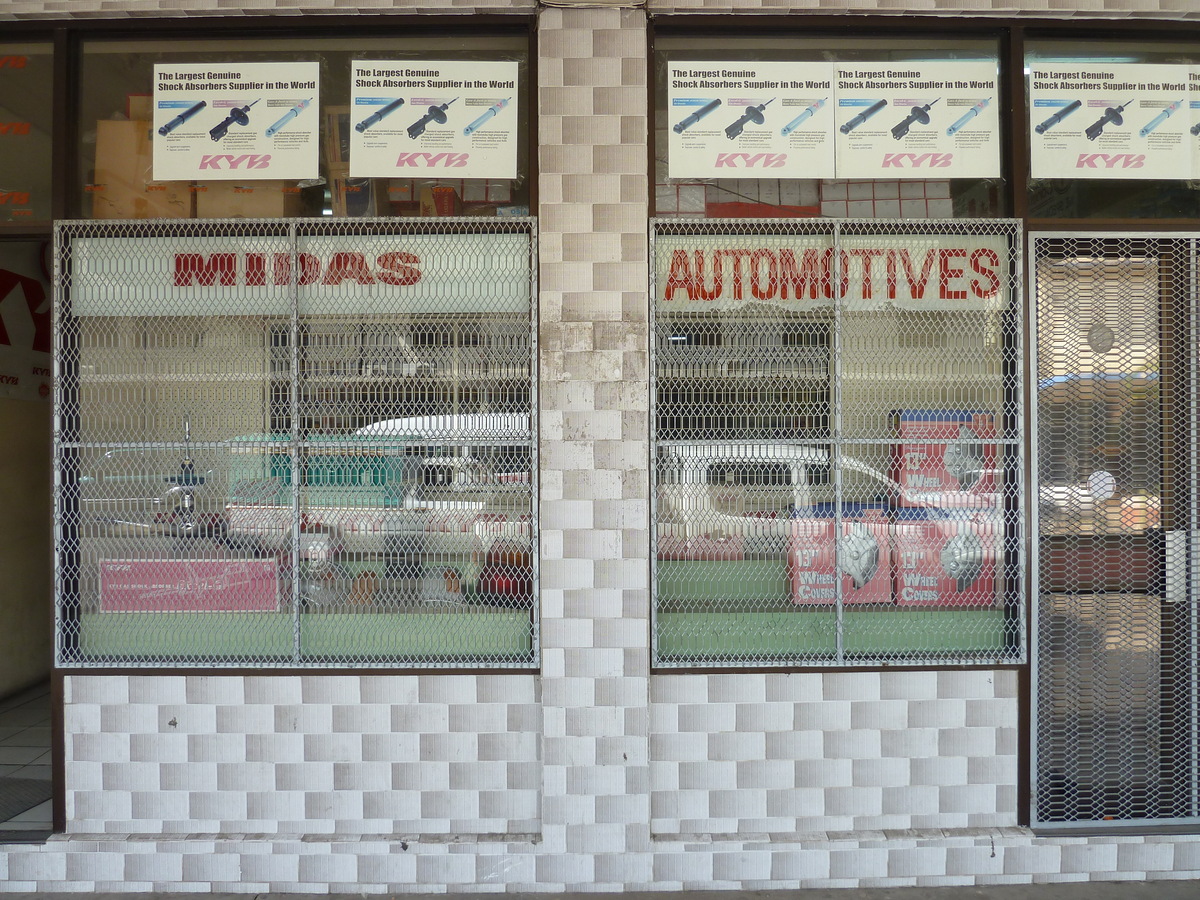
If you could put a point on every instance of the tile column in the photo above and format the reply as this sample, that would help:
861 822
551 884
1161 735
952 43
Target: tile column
592 105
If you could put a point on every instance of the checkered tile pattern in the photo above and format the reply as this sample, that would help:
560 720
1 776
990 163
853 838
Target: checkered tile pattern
594 389
788 754
311 754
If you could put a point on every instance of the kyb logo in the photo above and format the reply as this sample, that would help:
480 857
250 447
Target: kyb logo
751 160
1110 161
14 198
228 161
14 128
917 160
432 160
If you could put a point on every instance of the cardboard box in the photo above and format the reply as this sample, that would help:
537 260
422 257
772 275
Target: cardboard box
945 562
248 200
945 458
139 107
355 196
864 553
440 201
122 184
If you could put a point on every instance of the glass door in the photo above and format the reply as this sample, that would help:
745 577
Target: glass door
1115 463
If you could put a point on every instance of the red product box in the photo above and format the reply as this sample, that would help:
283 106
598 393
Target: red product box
945 562
945 457
865 556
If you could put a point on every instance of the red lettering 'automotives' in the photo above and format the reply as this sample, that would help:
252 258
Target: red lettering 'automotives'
260 269
944 273
14 128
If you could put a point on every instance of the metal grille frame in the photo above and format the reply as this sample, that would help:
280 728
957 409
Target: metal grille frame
874 359
342 473
1115 646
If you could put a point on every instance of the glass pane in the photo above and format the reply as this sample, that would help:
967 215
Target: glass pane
754 196
1061 198
26 95
833 444
115 108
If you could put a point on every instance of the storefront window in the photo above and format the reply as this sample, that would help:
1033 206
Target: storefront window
296 446
753 127
26 86
196 128
1112 129
836 443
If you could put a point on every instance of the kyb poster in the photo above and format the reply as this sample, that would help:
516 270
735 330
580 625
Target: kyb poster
917 120
410 118
1117 121
1194 109
746 120
227 121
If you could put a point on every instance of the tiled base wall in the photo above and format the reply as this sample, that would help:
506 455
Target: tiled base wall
321 783
308 754
374 865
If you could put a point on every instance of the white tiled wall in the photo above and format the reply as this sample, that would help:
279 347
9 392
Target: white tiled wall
317 755
593 774
836 752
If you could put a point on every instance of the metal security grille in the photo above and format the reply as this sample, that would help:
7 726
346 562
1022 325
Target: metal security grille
306 442
1116 641
837 442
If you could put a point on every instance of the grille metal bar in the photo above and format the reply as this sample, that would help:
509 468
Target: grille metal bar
788 359
1115 648
263 459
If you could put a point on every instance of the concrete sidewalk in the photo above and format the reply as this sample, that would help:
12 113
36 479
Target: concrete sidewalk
1106 890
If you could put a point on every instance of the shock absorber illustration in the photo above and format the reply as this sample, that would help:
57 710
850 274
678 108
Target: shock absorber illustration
488 114
1058 116
875 107
968 116
1160 118
684 124
288 116
1112 116
181 118
379 115
918 116
752 114
239 115
802 118
435 114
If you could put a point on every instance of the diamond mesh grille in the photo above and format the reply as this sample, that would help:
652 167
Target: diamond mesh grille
1116 715
837 438
296 443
